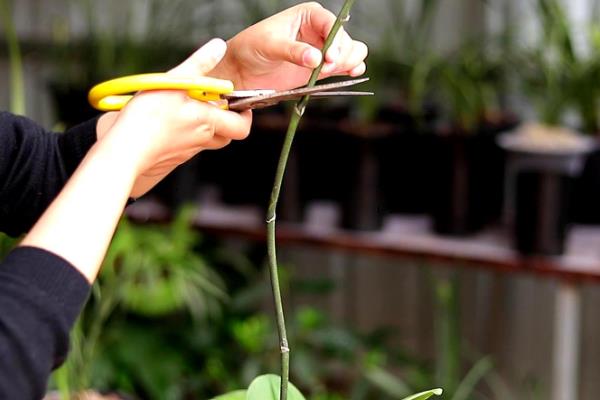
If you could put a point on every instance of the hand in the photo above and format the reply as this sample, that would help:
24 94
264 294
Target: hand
163 129
281 51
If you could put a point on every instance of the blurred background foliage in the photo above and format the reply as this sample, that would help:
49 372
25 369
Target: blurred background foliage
176 316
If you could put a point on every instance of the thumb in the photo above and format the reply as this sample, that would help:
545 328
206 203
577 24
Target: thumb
203 60
295 52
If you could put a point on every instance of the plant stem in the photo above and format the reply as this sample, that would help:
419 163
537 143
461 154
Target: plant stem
299 108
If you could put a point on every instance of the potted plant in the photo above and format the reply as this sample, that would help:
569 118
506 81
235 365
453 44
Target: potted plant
376 140
546 156
403 68
467 165
586 100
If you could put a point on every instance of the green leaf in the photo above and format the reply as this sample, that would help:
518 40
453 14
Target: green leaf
425 395
266 387
236 395
388 383
470 381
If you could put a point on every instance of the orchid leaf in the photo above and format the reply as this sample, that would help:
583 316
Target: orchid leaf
425 395
236 395
266 387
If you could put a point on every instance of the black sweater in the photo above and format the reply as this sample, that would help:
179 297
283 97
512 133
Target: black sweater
41 294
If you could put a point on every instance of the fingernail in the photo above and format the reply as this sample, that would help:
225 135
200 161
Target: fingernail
311 58
216 47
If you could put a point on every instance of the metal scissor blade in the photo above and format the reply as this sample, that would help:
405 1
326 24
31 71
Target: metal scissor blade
341 94
269 99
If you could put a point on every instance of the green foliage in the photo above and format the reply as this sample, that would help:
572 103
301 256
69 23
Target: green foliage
449 363
115 46
470 83
266 387
17 84
389 383
472 378
180 354
6 244
158 271
151 272
464 85
448 346
237 395
405 61
555 76
425 395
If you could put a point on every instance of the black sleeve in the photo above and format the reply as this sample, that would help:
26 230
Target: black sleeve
34 166
41 295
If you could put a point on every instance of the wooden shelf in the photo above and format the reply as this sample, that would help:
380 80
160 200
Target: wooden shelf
404 237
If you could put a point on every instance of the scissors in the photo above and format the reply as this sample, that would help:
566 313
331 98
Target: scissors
112 95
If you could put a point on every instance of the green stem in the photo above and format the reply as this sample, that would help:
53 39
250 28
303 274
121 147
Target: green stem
342 17
17 98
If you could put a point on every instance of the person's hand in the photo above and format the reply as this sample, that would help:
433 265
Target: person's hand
281 51
163 129
151 135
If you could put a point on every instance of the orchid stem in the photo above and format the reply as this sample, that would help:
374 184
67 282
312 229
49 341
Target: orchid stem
299 108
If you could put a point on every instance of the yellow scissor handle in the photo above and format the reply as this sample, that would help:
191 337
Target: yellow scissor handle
113 95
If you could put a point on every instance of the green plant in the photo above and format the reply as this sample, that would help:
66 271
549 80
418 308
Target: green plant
6 244
176 354
134 38
330 360
448 367
556 76
403 63
150 272
470 82
17 85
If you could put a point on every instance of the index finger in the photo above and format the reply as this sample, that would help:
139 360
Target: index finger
320 19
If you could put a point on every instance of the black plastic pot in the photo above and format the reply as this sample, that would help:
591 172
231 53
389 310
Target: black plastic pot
339 161
244 171
328 166
406 163
468 179
456 205
542 212
362 206
467 183
406 171
585 209
540 183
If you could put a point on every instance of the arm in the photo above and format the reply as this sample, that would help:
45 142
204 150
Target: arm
34 166
44 282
